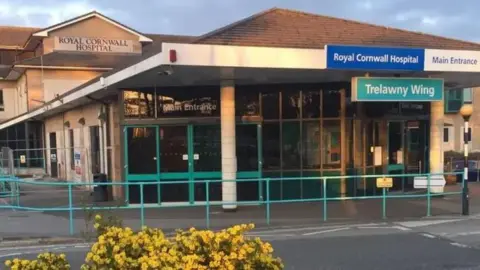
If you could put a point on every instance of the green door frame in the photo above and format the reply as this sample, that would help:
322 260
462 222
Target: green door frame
191 175
139 177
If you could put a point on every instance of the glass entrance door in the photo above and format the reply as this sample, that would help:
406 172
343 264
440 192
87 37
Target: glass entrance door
188 154
141 162
175 163
396 164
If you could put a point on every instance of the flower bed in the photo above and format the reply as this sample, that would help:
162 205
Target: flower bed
122 248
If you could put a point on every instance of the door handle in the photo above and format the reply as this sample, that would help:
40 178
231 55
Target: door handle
154 158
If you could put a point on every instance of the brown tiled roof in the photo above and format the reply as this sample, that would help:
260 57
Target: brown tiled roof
13 36
287 28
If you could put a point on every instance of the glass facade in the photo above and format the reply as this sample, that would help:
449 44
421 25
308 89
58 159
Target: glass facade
306 131
26 141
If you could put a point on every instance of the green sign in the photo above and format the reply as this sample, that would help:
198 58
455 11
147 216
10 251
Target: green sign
396 89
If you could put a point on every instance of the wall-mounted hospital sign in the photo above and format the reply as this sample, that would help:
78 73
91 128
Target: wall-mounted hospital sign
374 58
93 44
396 89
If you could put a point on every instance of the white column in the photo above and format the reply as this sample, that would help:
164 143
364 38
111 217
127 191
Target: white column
229 155
436 140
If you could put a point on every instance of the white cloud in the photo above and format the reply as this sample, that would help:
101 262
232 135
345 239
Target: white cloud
365 5
44 15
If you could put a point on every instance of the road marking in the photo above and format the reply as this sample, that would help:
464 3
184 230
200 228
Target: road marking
271 235
373 227
459 245
297 229
10 255
401 228
38 247
428 235
423 223
462 234
327 231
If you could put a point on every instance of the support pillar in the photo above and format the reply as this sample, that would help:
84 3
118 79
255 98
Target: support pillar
229 155
436 141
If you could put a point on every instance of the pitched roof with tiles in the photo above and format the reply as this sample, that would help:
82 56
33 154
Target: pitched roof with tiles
288 28
14 36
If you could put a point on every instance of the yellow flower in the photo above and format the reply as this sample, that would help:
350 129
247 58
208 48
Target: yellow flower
96 226
98 217
8 263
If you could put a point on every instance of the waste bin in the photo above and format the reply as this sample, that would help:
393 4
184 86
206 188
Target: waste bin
100 192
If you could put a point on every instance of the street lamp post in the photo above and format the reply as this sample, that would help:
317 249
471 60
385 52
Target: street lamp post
466 111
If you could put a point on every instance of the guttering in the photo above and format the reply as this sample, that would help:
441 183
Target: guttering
64 68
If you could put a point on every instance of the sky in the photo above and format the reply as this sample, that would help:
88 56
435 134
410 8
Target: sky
455 19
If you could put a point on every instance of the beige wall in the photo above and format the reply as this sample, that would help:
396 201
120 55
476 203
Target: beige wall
81 140
9 91
44 85
93 27
455 142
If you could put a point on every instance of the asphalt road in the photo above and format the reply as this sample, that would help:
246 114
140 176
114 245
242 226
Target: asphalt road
363 246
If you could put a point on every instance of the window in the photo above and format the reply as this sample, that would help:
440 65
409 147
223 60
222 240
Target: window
445 134
467 95
455 98
72 150
2 106
469 134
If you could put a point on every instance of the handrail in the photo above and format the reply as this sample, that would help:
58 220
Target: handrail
14 194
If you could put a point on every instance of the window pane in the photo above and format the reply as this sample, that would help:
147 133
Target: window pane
271 146
131 103
311 145
331 144
247 102
270 105
291 145
467 95
445 135
311 104
291 105
187 103
147 104
331 103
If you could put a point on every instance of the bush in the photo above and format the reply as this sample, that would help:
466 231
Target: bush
121 248
49 261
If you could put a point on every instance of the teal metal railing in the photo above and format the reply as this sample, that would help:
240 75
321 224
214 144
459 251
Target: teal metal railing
9 189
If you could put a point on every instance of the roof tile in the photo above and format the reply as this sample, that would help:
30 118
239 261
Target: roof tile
287 28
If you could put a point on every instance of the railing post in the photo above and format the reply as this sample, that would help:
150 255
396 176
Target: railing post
384 203
142 209
70 209
428 196
324 180
207 203
268 201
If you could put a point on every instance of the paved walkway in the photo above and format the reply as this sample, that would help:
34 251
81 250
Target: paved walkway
24 224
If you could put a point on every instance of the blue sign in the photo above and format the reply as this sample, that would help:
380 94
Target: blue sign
374 58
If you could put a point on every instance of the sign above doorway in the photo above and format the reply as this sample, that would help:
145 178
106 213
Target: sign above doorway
396 89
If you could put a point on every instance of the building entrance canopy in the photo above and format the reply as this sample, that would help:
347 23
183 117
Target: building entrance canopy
194 64
199 64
